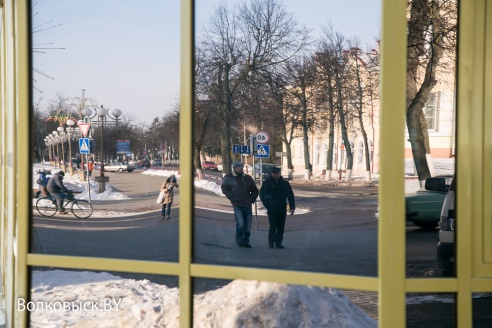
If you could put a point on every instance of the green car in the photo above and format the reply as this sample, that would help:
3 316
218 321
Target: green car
424 207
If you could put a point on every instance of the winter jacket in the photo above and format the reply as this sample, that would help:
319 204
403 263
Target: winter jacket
168 187
55 185
42 179
241 190
273 195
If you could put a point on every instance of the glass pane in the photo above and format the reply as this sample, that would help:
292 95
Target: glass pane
431 310
430 149
61 298
261 97
481 314
242 303
104 89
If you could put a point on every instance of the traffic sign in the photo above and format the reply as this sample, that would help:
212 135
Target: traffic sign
262 137
84 128
122 146
84 145
263 151
240 149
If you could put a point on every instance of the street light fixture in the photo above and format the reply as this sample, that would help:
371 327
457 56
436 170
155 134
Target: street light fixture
56 140
103 115
69 130
61 132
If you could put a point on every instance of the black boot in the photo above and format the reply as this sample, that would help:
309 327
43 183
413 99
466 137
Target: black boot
279 246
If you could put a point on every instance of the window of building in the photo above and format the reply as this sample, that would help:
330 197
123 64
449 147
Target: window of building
360 152
371 151
430 111
325 153
316 155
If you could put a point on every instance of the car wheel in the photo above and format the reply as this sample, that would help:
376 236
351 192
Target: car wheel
426 224
120 170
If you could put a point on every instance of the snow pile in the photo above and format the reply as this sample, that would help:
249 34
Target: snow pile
73 182
99 300
265 304
145 304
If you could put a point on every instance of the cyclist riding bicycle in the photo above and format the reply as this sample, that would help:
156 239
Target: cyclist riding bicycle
58 190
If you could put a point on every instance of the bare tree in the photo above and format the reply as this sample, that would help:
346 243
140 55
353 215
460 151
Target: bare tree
431 38
360 93
248 38
301 74
338 59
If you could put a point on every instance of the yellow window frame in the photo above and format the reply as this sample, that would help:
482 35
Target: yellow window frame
473 172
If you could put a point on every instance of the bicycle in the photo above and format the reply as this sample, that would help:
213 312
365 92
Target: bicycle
46 206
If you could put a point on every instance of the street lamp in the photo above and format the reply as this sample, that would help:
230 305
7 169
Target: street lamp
61 132
69 130
49 139
103 116
56 140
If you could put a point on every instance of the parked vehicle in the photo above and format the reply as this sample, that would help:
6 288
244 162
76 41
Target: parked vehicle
423 208
209 166
118 167
157 162
446 246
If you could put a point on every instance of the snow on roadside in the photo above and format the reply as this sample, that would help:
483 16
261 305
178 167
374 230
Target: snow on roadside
131 303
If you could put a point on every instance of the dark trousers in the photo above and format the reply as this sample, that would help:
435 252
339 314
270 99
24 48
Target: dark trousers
166 209
277 225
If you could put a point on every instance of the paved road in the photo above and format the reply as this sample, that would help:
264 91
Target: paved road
339 236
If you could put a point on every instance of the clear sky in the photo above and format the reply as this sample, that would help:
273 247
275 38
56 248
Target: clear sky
126 54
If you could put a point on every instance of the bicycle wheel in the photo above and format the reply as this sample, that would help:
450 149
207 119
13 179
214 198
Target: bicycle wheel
46 206
81 209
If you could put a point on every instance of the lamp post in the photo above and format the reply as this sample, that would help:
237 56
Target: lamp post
69 130
56 140
49 138
47 143
102 119
61 132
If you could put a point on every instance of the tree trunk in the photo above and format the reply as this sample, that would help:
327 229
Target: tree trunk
305 136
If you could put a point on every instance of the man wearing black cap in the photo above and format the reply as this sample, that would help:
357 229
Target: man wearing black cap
241 190
273 194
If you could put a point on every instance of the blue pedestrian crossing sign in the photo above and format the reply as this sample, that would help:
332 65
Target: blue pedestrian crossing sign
263 151
84 145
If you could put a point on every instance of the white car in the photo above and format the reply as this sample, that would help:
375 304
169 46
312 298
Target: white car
118 167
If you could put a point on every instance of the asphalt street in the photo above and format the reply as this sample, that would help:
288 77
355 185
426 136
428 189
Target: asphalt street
338 235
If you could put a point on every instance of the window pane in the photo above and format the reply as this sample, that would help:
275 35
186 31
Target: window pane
266 304
244 87
65 298
113 65
430 132
431 310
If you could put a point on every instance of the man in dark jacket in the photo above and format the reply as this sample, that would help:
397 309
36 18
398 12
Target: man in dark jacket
273 195
241 190
55 187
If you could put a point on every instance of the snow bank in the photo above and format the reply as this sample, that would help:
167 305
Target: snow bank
145 304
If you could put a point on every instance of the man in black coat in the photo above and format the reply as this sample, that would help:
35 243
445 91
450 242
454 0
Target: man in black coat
241 190
273 195
56 188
